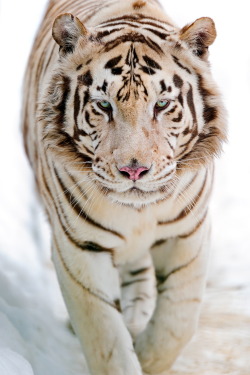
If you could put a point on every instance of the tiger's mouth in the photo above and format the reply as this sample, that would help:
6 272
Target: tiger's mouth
137 197
137 193
135 189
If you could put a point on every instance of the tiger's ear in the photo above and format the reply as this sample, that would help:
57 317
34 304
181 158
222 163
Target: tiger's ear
66 31
199 35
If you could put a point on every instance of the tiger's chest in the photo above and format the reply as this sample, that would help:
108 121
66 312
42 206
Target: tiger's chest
140 233
139 229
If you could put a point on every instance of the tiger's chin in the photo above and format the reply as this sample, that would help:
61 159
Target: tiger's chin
138 198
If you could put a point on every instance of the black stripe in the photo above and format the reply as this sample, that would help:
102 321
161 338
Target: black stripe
158 243
171 110
78 133
139 271
117 71
179 118
136 18
87 150
127 283
87 119
147 70
162 36
124 23
205 93
83 193
178 81
79 67
113 62
209 113
61 107
102 34
77 155
172 148
180 98
86 289
60 214
103 87
117 304
134 38
150 62
79 210
76 109
163 86
85 79
161 279
96 112
176 60
86 98
154 46
67 144
186 211
92 246
186 235
149 23
194 133
190 102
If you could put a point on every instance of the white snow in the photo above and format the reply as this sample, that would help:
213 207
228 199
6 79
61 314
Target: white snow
12 363
35 338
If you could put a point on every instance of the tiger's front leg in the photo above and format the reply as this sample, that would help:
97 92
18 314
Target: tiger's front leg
138 286
181 265
90 286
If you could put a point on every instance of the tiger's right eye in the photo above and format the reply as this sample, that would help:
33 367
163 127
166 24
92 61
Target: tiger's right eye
105 105
162 104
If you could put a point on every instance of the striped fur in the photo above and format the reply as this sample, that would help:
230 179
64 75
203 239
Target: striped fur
125 90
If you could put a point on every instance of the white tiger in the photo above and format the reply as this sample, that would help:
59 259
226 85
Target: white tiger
121 125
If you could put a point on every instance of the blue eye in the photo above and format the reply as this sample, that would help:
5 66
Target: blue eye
105 105
162 104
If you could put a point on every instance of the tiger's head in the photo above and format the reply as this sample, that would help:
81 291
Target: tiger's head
134 99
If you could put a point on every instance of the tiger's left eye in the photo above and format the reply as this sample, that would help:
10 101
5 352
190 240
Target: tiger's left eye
104 104
161 104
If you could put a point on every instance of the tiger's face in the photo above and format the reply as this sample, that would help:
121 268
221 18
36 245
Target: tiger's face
135 109
136 115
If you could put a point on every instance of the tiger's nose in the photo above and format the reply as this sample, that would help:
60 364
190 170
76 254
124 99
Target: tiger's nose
133 173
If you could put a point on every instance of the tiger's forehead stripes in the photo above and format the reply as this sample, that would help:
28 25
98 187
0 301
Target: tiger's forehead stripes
140 19
134 38
132 80
130 72
160 34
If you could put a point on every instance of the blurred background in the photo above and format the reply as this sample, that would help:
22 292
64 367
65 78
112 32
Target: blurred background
28 288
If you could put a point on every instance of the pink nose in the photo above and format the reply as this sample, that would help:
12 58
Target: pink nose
133 173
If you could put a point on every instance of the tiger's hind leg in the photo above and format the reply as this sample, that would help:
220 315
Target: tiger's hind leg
138 287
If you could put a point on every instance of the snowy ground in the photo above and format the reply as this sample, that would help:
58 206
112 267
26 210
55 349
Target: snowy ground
34 334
